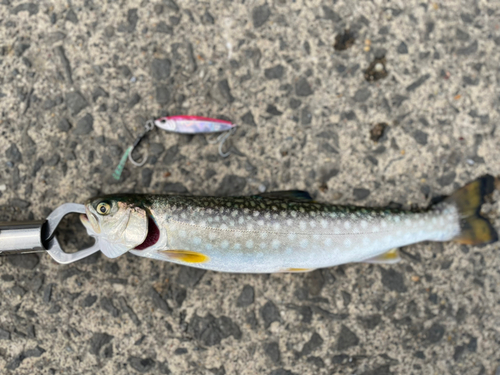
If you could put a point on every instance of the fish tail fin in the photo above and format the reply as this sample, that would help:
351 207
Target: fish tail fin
474 228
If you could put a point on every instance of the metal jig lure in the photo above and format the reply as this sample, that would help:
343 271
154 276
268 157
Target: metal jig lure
181 125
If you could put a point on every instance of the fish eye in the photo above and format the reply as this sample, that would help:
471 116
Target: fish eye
103 208
163 121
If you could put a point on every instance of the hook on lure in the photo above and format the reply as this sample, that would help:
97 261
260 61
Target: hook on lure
220 139
128 152
181 125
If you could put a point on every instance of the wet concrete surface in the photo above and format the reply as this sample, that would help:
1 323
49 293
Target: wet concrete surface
363 102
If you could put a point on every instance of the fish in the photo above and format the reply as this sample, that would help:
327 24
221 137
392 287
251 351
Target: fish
284 231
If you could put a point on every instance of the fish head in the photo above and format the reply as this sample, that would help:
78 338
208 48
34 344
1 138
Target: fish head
118 223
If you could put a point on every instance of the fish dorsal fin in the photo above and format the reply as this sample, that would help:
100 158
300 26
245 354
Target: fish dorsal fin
391 257
296 195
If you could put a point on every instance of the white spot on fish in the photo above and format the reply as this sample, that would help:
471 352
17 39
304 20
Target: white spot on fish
312 224
397 218
384 224
259 255
336 230
263 245
263 235
328 242
182 233
407 222
208 246
324 223
347 225
275 244
249 244
260 222
212 235
234 213
289 222
237 246
291 236
288 251
304 243
241 220
224 244
364 224
365 241
267 215
249 227
223 227
276 226
303 225
375 229
183 215
434 220
347 243
293 213
197 240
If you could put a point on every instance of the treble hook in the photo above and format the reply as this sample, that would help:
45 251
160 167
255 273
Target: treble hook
221 138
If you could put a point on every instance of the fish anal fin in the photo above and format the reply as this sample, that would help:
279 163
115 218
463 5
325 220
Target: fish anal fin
390 257
186 256
297 270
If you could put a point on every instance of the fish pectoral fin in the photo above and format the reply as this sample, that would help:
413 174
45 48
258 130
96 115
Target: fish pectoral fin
390 257
297 270
185 256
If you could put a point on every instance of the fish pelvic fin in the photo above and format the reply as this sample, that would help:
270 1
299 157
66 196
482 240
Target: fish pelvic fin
185 256
474 228
390 257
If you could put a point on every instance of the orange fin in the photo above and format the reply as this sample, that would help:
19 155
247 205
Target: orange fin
475 229
298 270
390 257
185 256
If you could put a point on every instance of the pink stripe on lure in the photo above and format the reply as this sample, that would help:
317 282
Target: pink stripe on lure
193 124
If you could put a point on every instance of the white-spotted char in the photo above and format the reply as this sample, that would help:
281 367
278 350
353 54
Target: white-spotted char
277 232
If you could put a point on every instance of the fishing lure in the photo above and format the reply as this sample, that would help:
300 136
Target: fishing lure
182 125
279 231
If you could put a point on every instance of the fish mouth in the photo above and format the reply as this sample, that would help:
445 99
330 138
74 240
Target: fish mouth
152 237
88 222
